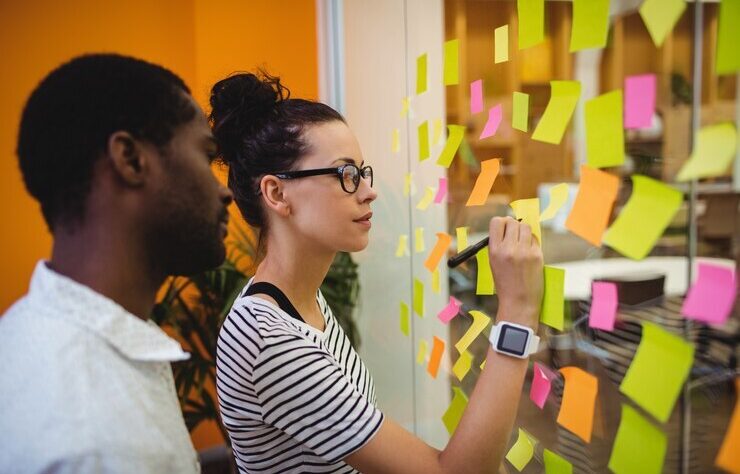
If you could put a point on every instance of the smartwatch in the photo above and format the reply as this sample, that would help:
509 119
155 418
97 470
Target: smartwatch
514 340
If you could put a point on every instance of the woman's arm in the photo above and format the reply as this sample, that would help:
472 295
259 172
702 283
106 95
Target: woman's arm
480 439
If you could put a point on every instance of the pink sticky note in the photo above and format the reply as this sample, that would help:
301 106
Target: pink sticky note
494 120
441 190
712 295
476 96
540 385
639 100
450 311
604 304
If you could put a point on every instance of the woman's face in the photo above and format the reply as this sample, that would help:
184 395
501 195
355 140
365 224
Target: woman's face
320 209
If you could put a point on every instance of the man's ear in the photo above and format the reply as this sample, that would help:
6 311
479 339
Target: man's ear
128 158
273 194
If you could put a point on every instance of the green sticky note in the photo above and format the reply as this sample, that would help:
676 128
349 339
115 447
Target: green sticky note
454 412
451 62
605 130
638 447
485 277
421 73
657 373
590 24
553 300
660 16
713 152
522 451
728 37
643 219
418 297
423 135
555 464
520 119
454 138
563 100
531 22
404 318
501 44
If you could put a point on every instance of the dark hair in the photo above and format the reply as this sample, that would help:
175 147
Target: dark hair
69 117
259 130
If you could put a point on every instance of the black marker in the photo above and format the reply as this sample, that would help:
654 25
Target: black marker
452 262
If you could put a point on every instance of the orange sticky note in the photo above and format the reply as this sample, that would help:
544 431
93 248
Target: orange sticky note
579 400
729 453
434 359
488 172
440 248
593 205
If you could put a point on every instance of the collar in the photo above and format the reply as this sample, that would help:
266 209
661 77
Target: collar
62 298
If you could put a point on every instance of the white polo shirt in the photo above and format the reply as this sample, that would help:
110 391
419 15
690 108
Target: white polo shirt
86 386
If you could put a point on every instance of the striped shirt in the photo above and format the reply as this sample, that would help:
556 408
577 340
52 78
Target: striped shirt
292 398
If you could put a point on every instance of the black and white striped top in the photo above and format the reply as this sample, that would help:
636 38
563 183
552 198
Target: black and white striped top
293 399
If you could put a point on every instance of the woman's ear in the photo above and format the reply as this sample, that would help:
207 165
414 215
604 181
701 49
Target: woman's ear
273 194
128 158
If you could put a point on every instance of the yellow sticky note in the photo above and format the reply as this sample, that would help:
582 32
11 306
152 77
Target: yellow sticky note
436 287
553 299
427 199
405 106
531 22
658 371
419 246
440 249
488 172
403 245
643 219
558 197
436 131
520 115
421 73
482 365
462 365
713 152
728 457
419 297
404 318
501 44
484 285
451 417
480 321
563 99
451 63
421 354
409 188
423 136
639 446
605 130
554 464
456 134
521 452
593 205
660 16
728 37
396 141
461 234
579 400
528 210
590 24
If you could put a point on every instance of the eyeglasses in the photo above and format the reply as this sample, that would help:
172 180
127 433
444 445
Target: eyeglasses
349 175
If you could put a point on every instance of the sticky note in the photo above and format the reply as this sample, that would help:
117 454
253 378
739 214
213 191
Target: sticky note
418 297
520 115
657 372
419 246
484 284
643 219
480 321
484 182
403 245
436 131
541 384
423 137
441 191
494 120
476 96
456 134
436 287
638 446
531 22
521 452
528 210
604 304
563 99
427 199
462 365
553 299
438 251
713 152
579 400
604 130
558 196
404 318
461 234
728 457
421 73
639 100
451 66
455 411
590 24
712 296
396 141
660 16
438 348
555 464
409 188
450 311
405 106
501 44
728 37
593 205
421 354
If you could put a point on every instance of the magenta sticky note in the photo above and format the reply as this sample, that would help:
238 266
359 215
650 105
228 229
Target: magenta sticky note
711 297
604 304
441 191
540 389
639 100
450 311
494 120
476 96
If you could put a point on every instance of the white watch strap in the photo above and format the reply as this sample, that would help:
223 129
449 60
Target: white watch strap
533 341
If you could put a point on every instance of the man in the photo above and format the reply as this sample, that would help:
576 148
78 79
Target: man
118 155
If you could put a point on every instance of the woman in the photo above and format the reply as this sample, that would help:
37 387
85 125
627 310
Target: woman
294 396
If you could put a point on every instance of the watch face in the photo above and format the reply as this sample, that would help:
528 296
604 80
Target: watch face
512 339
